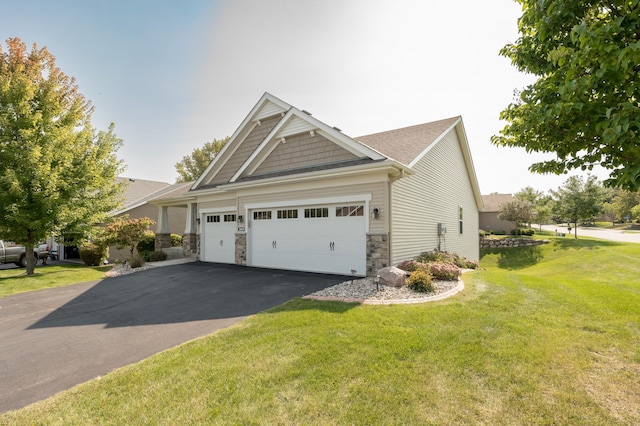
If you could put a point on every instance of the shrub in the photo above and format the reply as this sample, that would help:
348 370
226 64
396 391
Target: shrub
444 271
435 256
147 243
93 254
156 256
464 263
411 265
523 231
176 240
136 261
421 281
499 232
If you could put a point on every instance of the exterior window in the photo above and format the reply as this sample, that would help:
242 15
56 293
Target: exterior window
262 215
288 214
317 212
229 217
349 211
460 222
213 218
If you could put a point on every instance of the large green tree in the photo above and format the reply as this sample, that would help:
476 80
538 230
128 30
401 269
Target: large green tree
585 104
192 166
57 173
578 200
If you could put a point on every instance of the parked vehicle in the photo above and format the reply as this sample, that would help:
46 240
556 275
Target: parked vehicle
11 252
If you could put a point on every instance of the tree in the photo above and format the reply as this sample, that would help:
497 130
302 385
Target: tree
578 201
623 202
517 211
192 166
584 105
57 173
126 233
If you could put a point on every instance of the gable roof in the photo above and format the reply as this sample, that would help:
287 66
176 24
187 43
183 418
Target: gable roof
271 121
138 192
492 202
408 144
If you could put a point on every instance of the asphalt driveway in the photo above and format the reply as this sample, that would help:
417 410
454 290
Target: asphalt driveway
53 339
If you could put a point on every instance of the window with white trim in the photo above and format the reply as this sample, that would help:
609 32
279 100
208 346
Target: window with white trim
316 212
460 220
229 217
288 214
346 211
213 218
262 215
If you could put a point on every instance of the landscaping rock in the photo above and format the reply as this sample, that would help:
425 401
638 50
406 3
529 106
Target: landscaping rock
392 276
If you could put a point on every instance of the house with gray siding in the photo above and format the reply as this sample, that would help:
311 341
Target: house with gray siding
291 192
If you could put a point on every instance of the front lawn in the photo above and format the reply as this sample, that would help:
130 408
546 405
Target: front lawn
14 281
543 335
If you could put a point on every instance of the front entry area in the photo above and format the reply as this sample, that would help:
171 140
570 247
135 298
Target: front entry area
218 238
322 238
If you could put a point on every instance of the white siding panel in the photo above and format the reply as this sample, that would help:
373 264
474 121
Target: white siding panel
269 109
433 194
295 126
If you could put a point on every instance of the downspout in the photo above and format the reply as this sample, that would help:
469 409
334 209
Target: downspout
390 182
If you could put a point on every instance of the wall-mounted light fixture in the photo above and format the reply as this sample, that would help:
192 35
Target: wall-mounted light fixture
240 218
375 213
198 220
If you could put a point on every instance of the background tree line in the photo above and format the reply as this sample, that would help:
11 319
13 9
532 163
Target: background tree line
578 201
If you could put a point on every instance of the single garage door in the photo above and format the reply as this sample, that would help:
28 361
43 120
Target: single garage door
219 240
329 238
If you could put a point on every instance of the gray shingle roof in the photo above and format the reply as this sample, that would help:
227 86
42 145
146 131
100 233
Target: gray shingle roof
405 144
492 202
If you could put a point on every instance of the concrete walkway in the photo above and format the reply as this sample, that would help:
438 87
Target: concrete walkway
623 236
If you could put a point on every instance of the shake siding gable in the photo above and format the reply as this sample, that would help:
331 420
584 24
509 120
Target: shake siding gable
432 195
303 150
246 148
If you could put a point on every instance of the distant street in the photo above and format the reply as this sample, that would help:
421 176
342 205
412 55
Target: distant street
605 234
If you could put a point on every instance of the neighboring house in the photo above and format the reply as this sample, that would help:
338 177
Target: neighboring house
290 192
135 204
489 214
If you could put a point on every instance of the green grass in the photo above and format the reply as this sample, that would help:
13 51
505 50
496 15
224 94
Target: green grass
14 281
544 335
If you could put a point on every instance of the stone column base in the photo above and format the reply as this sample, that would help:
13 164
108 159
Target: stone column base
377 253
189 244
163 241
241 249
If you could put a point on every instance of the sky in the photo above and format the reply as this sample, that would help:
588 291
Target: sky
173 75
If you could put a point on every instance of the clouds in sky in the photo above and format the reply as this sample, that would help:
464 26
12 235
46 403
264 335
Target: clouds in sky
174 75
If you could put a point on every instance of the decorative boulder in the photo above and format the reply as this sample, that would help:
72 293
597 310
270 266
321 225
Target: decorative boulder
392 276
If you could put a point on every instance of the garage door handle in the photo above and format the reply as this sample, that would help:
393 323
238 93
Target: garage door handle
332 246
274 244
221 243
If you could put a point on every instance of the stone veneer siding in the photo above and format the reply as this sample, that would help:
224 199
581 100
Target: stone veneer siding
241 249
377 253
163 241
189 244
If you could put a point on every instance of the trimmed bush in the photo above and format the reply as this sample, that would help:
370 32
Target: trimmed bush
136 261
523 231
421 281
147 243
444 271
156 256
176 240
93 254
411 265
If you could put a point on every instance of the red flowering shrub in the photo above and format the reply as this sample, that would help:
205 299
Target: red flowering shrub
444 271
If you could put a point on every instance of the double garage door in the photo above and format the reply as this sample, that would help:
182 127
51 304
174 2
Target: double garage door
323 238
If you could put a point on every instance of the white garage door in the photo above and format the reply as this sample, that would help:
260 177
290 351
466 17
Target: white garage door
330 238
219 239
